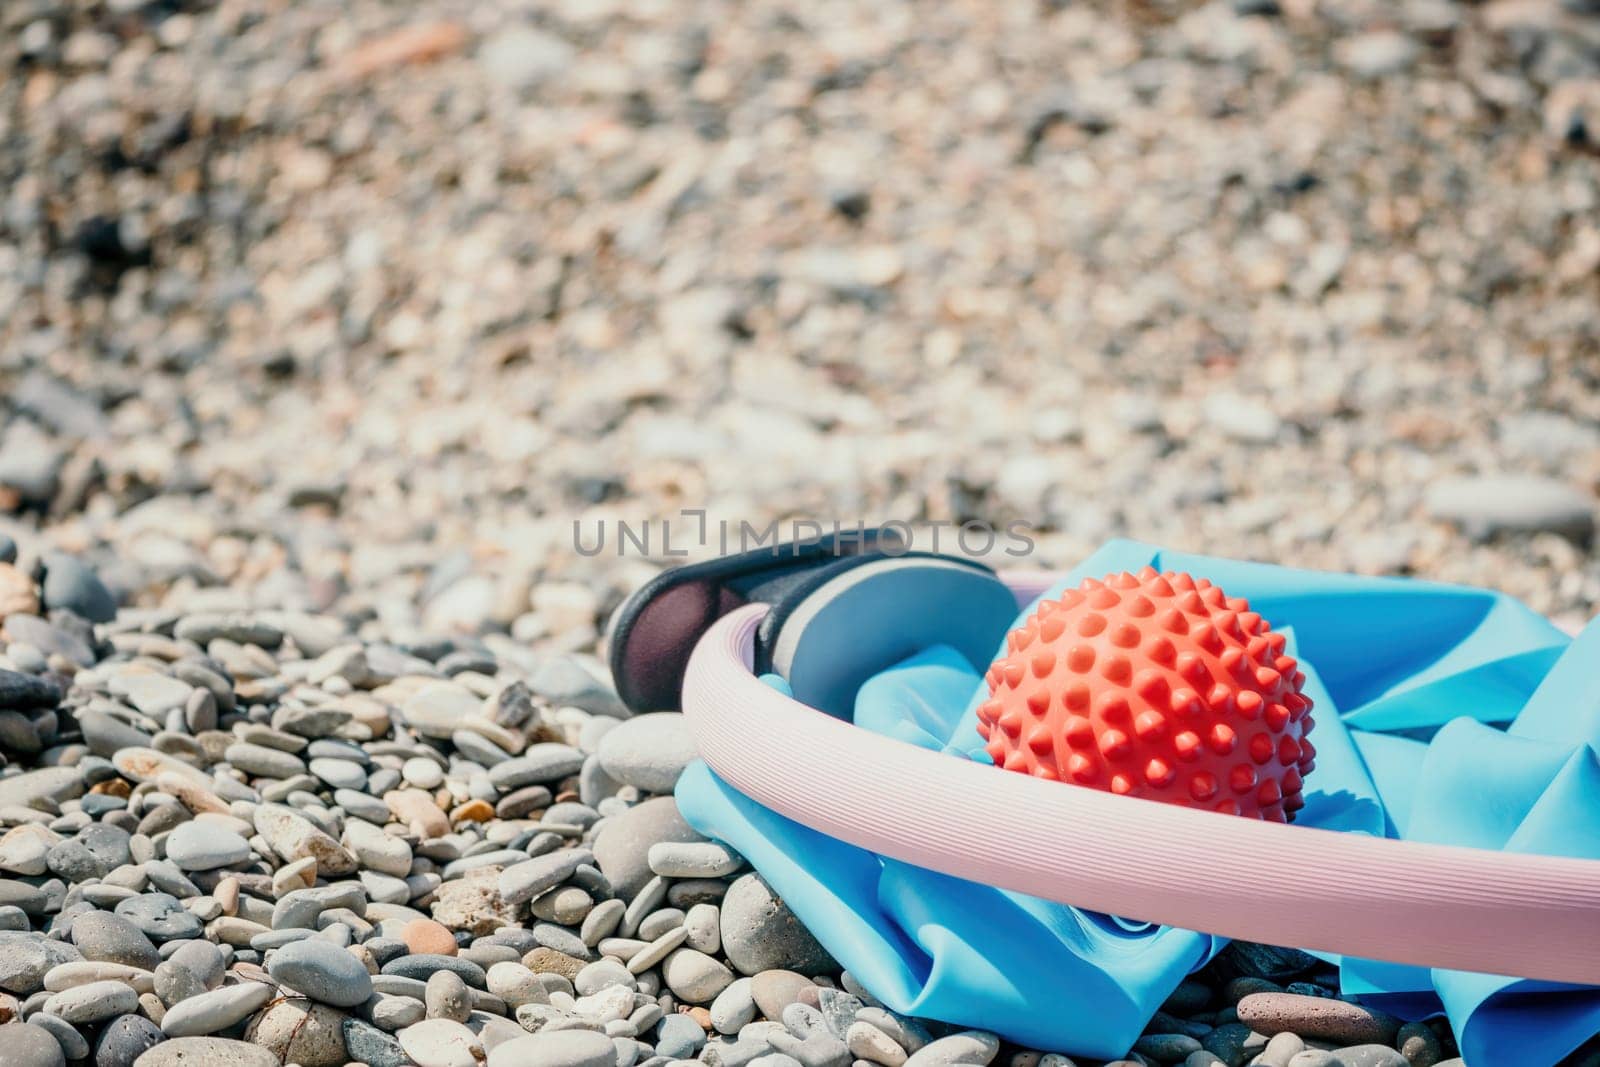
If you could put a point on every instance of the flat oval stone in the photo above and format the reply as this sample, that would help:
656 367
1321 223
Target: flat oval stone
422 965
322 971
339 773
562 1048
93 1002
204 846
67 975
215 1010
207 1052
967 1047
540 764
1334 1021
528 879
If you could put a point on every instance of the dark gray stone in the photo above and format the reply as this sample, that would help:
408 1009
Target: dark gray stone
125 1039
74 586
367 1044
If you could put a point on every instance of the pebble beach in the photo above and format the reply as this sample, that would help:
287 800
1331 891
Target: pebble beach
323 327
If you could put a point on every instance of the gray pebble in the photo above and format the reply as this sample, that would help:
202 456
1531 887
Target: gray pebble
648 752
103 936
322 971
124 1039
205 846
93 1002
71 585
1370 1055
622 845
693 859
760 933
970 1048
25 1045
216 1010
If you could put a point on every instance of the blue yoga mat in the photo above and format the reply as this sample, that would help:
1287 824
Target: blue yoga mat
1510 707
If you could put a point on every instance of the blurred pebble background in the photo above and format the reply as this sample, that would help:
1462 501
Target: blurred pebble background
356 306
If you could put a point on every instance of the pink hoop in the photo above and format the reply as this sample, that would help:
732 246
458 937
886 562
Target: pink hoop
1466 909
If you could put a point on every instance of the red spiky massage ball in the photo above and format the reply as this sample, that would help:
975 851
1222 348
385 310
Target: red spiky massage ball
1158 686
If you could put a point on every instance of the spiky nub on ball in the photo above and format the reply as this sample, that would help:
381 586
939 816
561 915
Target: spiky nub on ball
1158 686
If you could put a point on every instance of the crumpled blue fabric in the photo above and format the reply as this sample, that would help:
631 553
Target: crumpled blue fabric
1444 714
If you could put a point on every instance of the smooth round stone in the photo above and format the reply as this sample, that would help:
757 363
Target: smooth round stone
648 752
391 1012
623 844
1417 1043
429 937
562 1048
160 917
447 997
322 971
695 977
207 1052
339 773
216 1010
125 1039
444 1043
93 1002
204 846
105 733
760 933
436 709
362 806
777 989
24 1045
516 984
101 935
422 773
